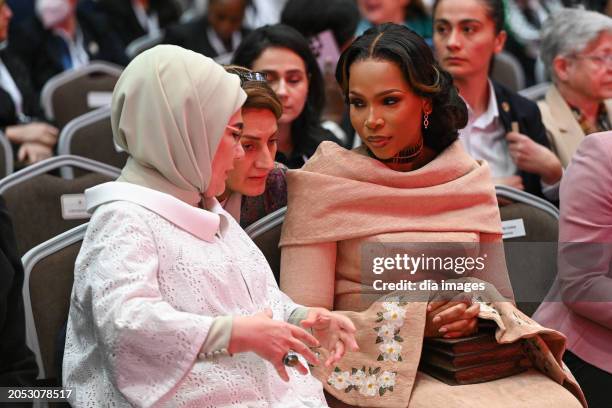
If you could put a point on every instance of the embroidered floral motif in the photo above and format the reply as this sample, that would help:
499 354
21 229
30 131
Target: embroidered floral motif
369 386
390 351
387 379
370 382
393 319
340 379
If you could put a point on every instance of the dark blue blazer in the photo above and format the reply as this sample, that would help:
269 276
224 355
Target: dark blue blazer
516 108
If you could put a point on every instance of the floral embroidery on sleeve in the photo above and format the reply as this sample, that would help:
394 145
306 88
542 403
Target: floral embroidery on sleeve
368 382
371 381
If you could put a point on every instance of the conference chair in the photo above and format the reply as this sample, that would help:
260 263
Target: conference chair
531 231
6 156
266 232
90 135
78 91
43 205
508 71
48 278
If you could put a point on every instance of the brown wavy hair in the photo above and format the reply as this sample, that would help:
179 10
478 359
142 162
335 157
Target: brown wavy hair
259 93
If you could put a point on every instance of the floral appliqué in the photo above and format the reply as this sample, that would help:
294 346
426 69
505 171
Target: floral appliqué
368 382
371 381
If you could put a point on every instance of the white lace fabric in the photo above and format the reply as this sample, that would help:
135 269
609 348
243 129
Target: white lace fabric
145 294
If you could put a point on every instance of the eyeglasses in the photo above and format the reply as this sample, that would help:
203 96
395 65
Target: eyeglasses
236 132
252 77
599 61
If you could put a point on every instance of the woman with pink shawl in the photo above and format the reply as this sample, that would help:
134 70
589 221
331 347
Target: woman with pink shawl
410 182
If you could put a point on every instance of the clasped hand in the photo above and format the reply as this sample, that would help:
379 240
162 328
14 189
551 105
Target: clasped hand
533 157
272 339
457 317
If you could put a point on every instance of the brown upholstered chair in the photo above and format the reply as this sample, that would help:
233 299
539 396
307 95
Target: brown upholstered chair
531 257
48 278
508 71
34 197
75 92
6 156
90 135
143 43
535 92
266 235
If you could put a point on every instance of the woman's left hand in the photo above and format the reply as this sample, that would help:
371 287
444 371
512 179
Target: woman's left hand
334 331
457 317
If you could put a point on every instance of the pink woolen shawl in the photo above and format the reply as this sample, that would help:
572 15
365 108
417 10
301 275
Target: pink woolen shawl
341 195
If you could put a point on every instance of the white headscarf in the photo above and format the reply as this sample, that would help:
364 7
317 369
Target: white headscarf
169 111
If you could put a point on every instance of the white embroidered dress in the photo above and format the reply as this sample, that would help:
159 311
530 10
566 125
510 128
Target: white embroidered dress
146 292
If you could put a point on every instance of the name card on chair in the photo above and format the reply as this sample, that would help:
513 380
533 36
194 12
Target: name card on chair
74 207
99 99
513 228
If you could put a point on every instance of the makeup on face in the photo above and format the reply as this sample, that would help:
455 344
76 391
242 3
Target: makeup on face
464 37
286 73
259 142
384 110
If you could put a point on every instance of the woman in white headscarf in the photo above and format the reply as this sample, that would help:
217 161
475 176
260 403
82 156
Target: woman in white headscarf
173 305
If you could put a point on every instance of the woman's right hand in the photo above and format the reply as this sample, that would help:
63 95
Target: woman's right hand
272 340
30 153
35 132
451 318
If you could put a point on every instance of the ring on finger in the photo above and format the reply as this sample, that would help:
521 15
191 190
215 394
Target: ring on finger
291 359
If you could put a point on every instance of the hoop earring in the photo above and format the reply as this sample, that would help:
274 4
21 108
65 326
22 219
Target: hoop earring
426 120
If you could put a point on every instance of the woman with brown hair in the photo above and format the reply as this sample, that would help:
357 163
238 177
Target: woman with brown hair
256 186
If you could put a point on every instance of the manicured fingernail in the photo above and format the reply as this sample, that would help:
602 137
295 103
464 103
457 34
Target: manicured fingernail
443 330
436 319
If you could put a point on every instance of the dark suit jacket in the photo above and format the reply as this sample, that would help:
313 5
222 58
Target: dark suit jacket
41 50
125 23
193 36
515 108
17 364
30 103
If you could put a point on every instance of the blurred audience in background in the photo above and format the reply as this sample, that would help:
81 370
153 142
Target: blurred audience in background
411 13
313 17
504 128
22 9
258 12
20 113
64 35
528 146
524 20
329 26
132 19
217 34
577 50
284 55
